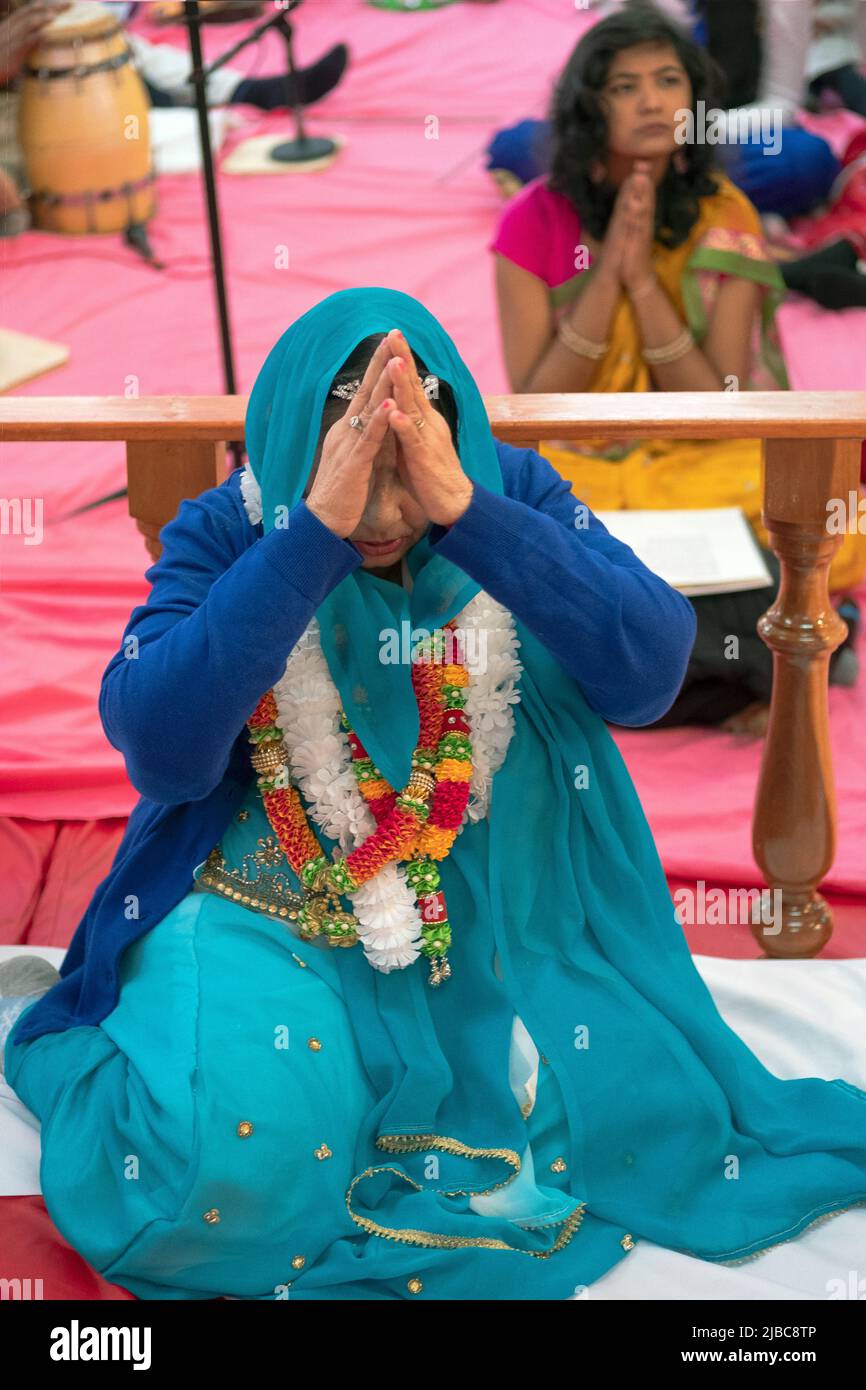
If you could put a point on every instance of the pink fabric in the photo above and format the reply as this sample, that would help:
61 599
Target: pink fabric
396 208
539 230
846 218
35 1251
51 870
846 215
698 788
836 127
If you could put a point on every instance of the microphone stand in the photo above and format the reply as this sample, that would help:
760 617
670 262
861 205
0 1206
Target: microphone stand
302 149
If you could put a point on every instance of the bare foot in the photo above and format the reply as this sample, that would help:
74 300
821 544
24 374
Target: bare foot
752 720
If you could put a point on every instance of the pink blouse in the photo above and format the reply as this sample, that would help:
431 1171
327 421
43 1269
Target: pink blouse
539 230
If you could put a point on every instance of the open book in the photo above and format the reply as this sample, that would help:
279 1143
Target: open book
707 551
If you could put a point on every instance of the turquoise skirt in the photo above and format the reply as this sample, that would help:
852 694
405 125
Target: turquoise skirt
201 1140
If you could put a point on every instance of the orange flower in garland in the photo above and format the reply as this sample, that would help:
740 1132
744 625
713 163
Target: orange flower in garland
418 825
283 804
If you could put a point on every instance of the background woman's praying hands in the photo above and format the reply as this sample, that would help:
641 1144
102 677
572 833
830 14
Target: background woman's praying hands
625 255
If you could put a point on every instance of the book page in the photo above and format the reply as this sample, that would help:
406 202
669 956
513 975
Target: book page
708 550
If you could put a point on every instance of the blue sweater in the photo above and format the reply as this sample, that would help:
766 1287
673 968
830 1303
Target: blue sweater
228 605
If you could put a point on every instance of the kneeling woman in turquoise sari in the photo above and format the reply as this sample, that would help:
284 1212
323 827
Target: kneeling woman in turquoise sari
384 996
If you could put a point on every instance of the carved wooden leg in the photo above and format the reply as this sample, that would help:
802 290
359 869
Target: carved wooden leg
794 829
161 473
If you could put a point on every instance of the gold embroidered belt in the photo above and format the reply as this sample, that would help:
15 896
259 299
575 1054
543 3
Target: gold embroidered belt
260 892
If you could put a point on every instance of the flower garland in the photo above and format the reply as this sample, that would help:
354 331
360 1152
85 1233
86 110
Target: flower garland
388 912
490 695
420 824
386 909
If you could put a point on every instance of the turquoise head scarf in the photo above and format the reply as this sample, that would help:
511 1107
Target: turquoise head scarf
282 429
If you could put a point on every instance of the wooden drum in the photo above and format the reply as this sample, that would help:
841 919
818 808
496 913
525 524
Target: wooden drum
83 127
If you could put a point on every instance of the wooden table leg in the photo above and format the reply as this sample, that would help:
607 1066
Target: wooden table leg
161 473
794 828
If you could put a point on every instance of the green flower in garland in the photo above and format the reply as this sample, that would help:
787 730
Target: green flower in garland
423 876
455 745
265 733
437 938
311 870
340 877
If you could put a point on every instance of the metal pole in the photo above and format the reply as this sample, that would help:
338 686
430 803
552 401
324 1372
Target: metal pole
193 19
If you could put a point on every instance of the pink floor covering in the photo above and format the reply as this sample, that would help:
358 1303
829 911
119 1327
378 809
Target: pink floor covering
397 208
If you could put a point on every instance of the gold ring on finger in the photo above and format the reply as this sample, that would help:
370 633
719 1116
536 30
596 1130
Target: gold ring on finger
420 422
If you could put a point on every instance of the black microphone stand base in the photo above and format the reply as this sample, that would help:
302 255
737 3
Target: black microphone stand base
303 150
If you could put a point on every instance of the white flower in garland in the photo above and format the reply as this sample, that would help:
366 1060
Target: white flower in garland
252 495
490 697
308 715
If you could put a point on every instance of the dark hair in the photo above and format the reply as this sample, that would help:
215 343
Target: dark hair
354 368
578 128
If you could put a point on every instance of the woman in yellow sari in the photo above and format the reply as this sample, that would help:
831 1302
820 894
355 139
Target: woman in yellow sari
636 266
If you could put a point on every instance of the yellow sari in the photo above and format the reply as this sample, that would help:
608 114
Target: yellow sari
676 473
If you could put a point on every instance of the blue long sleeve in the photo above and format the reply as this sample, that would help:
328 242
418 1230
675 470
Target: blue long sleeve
227 606
224 612
621 631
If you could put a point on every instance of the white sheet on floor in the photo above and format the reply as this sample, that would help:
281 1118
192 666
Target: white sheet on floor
802 1018
174 138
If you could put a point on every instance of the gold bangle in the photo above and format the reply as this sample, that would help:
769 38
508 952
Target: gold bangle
583 347
669 352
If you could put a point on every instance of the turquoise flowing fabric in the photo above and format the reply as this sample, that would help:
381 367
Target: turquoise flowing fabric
560 913
652 1119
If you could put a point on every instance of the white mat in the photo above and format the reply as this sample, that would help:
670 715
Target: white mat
174 137
802 1018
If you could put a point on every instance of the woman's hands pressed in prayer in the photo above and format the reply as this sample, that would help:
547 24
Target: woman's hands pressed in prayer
626 253
339 492
638 195
390 401
625 260
426 459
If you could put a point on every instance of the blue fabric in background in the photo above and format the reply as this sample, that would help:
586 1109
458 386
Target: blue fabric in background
790 182
699 22
519 149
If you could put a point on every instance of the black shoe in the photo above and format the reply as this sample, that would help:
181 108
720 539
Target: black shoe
829 276
322 77
307 86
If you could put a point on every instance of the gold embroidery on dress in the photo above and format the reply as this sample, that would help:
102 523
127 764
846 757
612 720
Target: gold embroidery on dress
266 893
826 1216
269 853
409 1143
417 1143
431 1240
